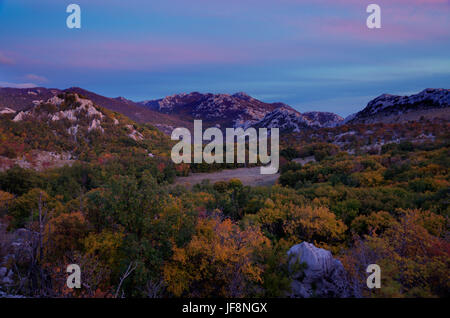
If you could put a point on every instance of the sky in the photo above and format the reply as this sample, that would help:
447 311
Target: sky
313 55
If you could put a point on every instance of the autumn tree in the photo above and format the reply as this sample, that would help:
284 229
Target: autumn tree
65 233
414 262
219 261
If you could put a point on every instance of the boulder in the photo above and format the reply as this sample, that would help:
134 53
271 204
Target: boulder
6 277
316 273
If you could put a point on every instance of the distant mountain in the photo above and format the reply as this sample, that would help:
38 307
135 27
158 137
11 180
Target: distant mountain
21 99
220 110
240 110
324 119
285 118
430 103
289 120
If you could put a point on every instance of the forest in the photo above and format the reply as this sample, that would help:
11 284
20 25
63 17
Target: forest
116 212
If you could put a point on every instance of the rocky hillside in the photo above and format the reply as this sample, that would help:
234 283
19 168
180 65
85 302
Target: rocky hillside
18 99
429 104
284 118
68 127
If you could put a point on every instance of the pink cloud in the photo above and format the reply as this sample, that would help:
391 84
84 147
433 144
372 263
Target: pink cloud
37 78
17 85
398 32
400 23
129 55
153 54
379 2
5 59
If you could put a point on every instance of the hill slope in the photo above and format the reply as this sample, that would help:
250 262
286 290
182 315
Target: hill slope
429 104
68 127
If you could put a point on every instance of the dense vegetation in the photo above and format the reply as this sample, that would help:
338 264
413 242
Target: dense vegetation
226 239
116 214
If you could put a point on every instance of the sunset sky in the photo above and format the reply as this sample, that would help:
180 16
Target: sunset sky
312 55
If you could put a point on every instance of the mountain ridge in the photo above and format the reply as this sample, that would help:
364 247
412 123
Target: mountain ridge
240 109
222 110
387 108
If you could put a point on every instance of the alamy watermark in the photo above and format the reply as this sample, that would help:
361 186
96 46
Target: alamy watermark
74 279
374 19
73 21
213 152
374 279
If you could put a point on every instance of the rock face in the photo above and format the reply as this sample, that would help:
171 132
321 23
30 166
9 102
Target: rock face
6 276
316 273
12 246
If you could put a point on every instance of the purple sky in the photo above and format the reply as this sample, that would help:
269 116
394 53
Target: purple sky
312 55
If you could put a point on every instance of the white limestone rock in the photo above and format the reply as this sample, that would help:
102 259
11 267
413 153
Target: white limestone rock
7 111
321 274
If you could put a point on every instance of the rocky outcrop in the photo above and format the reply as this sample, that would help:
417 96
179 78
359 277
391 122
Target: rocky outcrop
316 273
13 247
38 160
6 110
6 276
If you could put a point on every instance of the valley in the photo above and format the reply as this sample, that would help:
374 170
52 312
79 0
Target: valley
248 177
89 180
224 157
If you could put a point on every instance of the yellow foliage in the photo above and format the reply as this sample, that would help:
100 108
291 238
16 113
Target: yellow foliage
5 199
313 224
106 245
374 223
219 261
414 263
302 223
